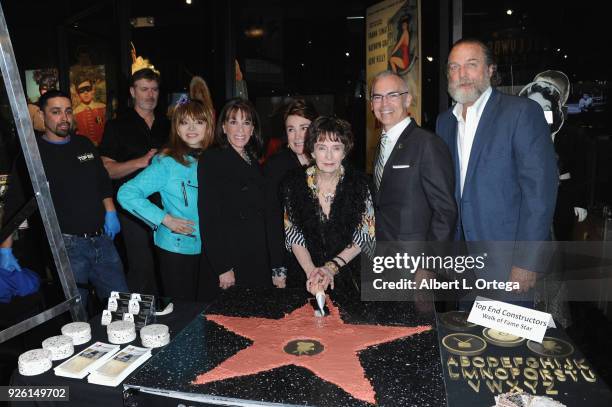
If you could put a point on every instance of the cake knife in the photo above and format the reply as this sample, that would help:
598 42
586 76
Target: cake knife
320 296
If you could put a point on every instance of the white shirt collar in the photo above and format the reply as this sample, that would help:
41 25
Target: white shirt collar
396 131
478 105
393 135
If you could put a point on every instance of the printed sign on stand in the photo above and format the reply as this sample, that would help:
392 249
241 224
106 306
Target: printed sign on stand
511 319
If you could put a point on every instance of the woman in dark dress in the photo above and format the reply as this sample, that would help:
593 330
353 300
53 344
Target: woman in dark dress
329 216
297 118
231 200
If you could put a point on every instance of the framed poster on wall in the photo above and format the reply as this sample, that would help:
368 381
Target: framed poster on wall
88 93
393 42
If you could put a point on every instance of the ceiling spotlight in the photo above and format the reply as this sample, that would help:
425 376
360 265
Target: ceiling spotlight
254 32
140 22
565 56
347 54
558 49
188 1
509 11
430 59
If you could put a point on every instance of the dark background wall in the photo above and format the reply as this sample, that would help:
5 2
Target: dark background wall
313 48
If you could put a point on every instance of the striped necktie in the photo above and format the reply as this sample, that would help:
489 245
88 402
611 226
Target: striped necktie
380 162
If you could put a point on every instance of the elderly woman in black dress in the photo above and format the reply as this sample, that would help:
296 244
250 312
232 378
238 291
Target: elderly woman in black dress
329 217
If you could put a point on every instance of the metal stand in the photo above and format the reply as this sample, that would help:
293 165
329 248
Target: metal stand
16 97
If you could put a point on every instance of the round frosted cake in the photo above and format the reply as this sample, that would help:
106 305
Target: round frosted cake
60 346
120 332
34 362
80 332
155 336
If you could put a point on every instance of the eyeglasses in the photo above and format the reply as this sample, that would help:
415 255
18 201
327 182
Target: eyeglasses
391 97
84 89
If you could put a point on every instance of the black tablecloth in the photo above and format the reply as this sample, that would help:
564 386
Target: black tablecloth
402 372
468 385
81 392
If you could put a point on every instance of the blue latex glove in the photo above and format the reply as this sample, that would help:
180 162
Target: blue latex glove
7 260
111 224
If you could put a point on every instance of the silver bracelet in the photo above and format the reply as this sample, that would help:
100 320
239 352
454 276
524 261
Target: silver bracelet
279 272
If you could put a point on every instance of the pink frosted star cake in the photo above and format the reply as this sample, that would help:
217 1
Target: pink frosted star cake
328 347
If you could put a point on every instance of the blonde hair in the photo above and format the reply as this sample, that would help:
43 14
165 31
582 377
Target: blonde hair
198 90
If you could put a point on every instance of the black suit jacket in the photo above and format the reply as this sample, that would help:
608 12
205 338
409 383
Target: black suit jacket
275 170
416 198
571 148
231 208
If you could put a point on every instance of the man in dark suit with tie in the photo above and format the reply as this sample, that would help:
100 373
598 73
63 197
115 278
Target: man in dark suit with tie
413 171
505 168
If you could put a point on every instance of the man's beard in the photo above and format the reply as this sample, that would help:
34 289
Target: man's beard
464 96
148 104
61 132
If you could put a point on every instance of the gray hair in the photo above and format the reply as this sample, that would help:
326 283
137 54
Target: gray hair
384 74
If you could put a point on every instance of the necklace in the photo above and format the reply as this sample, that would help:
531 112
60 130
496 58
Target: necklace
325 198
245 156
328 197
312 180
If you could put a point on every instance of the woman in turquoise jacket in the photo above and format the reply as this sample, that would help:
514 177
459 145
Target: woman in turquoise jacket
173 173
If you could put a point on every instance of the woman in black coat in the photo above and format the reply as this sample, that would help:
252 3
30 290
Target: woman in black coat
231 200
297 117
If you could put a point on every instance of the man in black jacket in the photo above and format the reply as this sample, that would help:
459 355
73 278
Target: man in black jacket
128 144
413 171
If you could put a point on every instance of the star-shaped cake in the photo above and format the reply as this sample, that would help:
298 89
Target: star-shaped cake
327 347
